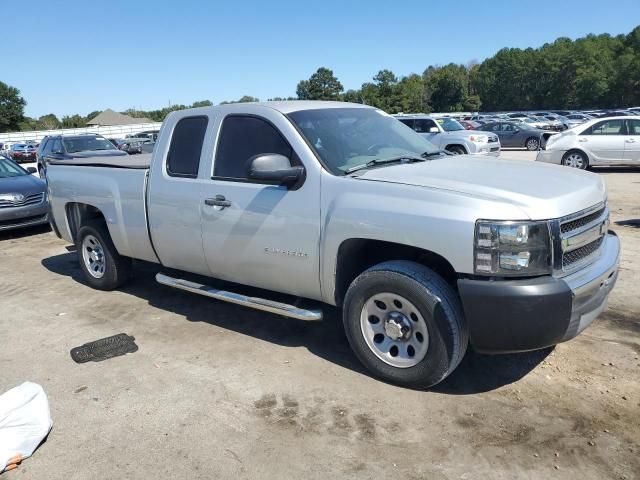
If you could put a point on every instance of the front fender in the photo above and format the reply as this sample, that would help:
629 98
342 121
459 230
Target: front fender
439 221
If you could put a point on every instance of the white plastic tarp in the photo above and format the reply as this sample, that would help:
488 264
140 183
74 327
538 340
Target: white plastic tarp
25 421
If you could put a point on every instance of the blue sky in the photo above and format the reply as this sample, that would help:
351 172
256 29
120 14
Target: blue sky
78 56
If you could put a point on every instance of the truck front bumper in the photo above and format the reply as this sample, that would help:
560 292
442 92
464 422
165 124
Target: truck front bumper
520 315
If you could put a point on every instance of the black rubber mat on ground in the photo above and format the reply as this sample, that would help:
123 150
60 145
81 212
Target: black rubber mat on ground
104 348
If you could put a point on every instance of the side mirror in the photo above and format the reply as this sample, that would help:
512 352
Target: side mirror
275 168
32 170
434 130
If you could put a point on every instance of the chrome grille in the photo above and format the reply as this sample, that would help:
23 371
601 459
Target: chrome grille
581 222
33 199
581 253
578 238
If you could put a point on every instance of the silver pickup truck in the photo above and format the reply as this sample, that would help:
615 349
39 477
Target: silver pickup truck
425 253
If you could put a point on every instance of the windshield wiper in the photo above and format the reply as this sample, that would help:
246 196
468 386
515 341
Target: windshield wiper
383 161
437 153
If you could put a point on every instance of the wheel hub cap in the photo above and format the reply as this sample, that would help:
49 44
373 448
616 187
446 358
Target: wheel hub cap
394 329
397 326
93 256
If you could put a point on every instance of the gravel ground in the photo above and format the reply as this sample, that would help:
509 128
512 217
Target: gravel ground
217 391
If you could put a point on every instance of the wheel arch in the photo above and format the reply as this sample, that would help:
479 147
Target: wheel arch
78 214
355 255
459 145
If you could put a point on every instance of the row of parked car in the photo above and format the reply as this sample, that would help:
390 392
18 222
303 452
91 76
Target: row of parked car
598 141
27 152
555 120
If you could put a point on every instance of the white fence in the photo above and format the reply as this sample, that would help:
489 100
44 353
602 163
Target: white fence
114 131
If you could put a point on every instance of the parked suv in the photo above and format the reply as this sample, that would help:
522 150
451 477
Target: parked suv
447 134
68 147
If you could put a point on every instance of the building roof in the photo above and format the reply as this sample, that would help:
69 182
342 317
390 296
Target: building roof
109 117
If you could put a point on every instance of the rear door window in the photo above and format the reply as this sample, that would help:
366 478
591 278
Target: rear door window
607 127
407 122
183 159
56 146
424 125
634 127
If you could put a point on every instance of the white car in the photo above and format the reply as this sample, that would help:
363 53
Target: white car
602 141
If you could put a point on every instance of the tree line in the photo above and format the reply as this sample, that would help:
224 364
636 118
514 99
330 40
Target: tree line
595 71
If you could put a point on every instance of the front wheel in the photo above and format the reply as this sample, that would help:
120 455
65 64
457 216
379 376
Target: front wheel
405 324
532 144
575 159
456 150
103 267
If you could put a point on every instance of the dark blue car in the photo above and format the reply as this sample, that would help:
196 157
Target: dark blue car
68 147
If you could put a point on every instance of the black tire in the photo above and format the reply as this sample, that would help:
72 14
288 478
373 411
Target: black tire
532 144
456 150
576 159
435 300
117 269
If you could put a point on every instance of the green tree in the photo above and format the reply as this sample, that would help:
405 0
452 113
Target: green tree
202 103
243 99
413 94
73 121
353 96
51 122
11 108
448 87
322 85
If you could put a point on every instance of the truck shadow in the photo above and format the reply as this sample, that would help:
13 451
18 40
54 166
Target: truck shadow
326 339
24 232
633 223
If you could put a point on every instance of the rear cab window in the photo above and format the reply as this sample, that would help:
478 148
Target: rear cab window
185 150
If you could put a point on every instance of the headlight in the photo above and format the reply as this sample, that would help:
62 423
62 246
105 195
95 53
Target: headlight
512 248
479 138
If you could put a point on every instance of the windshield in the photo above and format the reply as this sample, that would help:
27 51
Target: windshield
449 124
82 144
10 169
346 137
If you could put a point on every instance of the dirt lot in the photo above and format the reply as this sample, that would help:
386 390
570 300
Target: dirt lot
216 391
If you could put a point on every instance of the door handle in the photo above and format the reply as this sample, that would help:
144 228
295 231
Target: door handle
630 140
218 201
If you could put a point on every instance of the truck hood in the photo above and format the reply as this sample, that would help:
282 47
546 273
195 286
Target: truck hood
541 191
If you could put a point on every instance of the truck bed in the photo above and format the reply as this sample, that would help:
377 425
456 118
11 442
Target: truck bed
114 186
141 161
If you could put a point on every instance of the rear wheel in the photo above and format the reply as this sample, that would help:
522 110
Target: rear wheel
103 267
532 144
575 159
456 150
405 324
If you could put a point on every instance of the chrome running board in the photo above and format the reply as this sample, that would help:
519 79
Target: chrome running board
251 302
